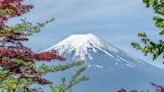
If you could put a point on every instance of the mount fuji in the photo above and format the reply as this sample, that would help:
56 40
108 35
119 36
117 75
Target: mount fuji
109 68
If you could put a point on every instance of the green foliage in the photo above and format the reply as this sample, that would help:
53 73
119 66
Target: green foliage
66 86
6 11
10 82
44 69
28 27
147 46
18 63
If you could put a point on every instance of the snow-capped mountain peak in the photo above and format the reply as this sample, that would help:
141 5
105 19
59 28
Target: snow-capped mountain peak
109 66
81 44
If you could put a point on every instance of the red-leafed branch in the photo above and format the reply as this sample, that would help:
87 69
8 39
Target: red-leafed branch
16 6
14 56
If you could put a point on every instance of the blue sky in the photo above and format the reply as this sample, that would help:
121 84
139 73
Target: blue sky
115 21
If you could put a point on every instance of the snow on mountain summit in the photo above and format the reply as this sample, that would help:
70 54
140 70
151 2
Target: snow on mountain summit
80 44
108 66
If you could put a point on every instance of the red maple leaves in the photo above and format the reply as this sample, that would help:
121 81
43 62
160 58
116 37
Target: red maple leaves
14 56
15 6
158 88
12 50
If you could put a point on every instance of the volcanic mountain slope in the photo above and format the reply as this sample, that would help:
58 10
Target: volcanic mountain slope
109 68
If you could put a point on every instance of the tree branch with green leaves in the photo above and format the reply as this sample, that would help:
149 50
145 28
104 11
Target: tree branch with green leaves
147 46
